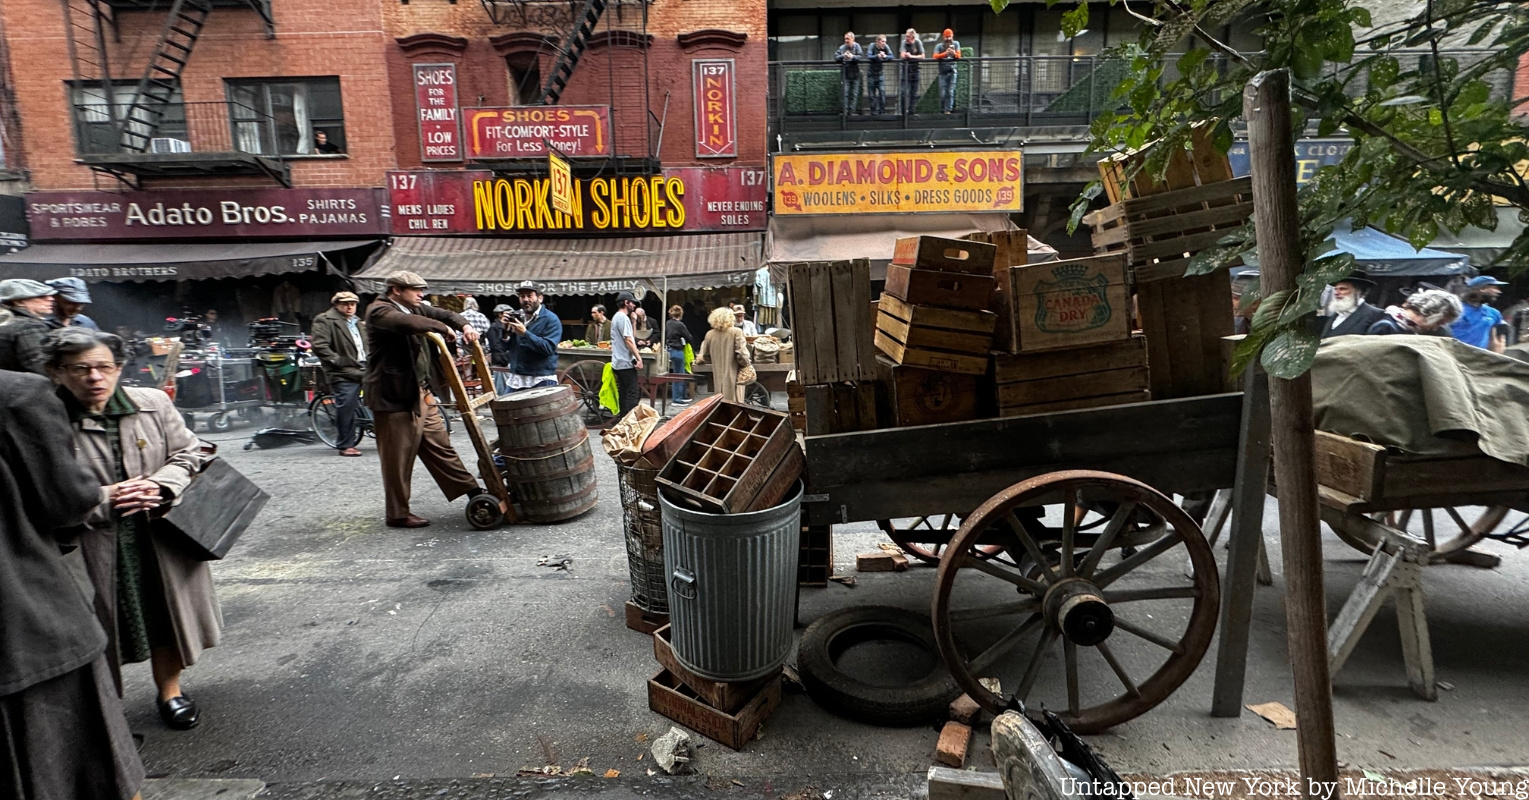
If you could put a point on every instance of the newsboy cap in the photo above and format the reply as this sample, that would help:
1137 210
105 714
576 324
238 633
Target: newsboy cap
24 289
406 279
344 297
71 289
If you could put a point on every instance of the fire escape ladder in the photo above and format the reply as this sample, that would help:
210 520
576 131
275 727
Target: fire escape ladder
573 50
85 24
161 77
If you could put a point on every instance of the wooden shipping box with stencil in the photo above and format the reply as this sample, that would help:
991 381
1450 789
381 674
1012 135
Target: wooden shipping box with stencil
1060 304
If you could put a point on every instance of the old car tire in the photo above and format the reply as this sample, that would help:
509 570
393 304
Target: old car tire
924 701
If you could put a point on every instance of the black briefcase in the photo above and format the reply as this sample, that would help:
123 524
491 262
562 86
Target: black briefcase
214 510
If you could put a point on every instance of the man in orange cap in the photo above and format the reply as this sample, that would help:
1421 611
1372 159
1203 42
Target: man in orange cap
947 52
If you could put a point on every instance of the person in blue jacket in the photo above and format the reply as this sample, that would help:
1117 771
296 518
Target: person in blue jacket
531 340
1479 321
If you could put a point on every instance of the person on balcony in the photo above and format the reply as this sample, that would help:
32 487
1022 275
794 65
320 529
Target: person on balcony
948 52
875 85
912 52
849 56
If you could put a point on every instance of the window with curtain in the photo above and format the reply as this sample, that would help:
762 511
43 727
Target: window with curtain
94 111
281 117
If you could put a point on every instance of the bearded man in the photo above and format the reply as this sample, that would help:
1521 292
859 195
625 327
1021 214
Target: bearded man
1347 311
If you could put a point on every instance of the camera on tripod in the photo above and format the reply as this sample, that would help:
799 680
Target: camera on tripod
192 328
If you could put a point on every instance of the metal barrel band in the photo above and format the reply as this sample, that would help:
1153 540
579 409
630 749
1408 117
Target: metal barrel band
541 477
557 444
564 407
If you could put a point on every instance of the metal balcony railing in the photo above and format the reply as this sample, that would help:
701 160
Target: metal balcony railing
203 127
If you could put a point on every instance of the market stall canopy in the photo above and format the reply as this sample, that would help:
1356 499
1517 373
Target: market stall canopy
873 236
118 263
495 266
1479 244
1385 256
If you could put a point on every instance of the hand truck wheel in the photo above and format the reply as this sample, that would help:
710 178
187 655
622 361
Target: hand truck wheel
483 512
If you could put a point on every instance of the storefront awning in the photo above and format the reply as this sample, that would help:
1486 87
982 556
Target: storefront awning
837 238
118 263
1482 246
495 266
1385 256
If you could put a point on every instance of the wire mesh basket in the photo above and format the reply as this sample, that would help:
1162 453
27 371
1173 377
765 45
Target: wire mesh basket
644 527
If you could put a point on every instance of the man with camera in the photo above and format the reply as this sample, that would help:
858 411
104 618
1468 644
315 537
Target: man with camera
531 335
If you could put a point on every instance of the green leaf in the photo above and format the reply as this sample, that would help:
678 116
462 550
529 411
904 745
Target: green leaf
1248 350
1075 21
1290 352
998 5
1306 62
1270 309
1192 59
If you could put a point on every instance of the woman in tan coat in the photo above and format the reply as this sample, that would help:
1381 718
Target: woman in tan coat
155 601
727 352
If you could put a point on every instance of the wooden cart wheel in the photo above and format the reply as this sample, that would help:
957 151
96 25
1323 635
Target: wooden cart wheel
1459 532
1076 590
925 538
584 378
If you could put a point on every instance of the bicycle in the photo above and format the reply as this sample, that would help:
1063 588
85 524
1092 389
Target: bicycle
325 419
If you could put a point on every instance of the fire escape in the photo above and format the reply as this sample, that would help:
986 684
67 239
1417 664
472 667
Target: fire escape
570 25
122 134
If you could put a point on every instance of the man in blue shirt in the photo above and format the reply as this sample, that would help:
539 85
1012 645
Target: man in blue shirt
530 341
1477 323
849 55
71 299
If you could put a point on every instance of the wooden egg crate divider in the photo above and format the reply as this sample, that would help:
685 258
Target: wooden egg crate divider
736 461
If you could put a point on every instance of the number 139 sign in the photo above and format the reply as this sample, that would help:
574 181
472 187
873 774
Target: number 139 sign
716 120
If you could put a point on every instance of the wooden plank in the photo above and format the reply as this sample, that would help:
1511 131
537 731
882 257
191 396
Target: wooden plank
1181 171
1228 217
1192 243
1184 335
1171 471
956 319
934 338
1210 163
1153 318
1199 194
804 323
1215 325
1409 477
1075 404
819 403
927 287
727 697
1199 423
1130 352
865 346
841 277
822 307
1245 543
931 359
1073 387
669 697
1349 465
970 257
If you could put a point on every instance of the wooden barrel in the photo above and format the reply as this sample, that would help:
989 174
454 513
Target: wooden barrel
547 459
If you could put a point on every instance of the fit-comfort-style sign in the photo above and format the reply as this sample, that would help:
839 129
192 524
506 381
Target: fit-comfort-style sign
716 117
899 183
205 213
525 131
440 126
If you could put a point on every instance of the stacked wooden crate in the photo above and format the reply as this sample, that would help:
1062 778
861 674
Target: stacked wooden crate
1010 249
832 313
727 712
1074 347
1158 227
742 458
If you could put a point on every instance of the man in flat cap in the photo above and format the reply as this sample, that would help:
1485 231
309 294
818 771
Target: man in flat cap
29 303
69 305
407 421
339 341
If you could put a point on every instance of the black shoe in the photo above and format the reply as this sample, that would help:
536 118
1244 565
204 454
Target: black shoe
179 713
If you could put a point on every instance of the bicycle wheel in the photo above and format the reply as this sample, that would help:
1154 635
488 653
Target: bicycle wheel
324 419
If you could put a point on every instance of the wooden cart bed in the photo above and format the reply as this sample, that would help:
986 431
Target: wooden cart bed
1361 477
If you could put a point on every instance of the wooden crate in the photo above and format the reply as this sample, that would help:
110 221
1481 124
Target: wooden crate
724 696
1130 380
642 620
731 464
1062 380
796 402
1131 352
926 397
673 699
942 339
1075 404
966 256
842 407
1010 249
1061 304
933 288
1368 476
1160 233
1184 320
831 320
1203 163
816 563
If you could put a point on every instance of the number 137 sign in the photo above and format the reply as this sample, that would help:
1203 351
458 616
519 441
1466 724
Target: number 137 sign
716 120
562 183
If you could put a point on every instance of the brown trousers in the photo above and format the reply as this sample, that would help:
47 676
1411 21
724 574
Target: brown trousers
402 435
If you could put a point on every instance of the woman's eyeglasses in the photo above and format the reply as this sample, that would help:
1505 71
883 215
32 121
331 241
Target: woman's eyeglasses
83 370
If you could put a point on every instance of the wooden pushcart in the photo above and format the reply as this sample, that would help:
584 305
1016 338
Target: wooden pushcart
485 510
1071 553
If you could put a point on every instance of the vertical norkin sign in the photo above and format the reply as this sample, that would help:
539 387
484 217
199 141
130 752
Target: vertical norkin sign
716 118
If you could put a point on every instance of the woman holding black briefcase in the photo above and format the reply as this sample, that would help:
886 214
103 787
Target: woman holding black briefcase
153 596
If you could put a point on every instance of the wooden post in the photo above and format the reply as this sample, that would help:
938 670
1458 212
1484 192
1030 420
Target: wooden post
1271 148
1246 540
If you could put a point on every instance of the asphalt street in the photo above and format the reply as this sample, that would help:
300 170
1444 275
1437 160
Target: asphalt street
363 661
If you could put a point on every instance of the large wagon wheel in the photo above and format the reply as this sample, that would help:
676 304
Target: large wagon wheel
1458 535
584 378
1109 589
925 538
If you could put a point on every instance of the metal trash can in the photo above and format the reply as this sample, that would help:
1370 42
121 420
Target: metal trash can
644 527
732 587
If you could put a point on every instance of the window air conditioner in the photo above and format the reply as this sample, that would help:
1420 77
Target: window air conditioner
165 144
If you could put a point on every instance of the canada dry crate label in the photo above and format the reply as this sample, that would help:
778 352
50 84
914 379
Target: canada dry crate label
1072 301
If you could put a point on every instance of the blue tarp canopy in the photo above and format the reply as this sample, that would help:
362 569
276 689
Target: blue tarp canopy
1385 256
